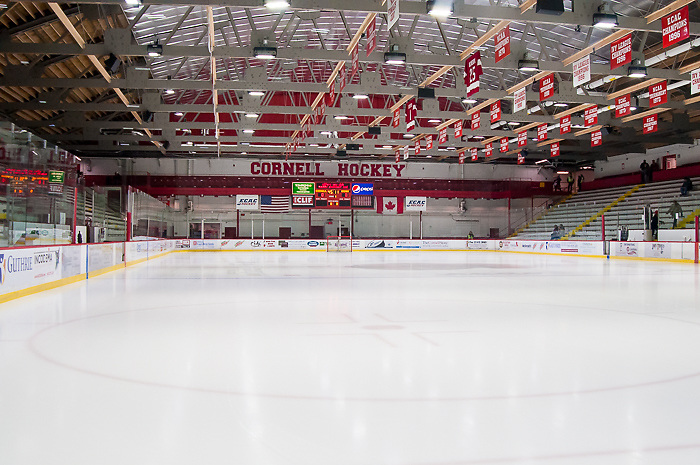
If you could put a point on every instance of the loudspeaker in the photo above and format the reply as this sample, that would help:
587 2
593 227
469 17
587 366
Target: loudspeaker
550 7
374 130
352 146
341 153
166 144
426 92
148 116
112 63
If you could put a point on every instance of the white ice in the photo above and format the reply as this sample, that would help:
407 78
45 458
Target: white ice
363 358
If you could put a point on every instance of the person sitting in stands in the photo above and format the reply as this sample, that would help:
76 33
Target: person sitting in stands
686 187
555 233
471 235
562 229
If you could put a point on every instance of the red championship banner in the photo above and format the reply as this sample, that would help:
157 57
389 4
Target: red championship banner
657 94
417 147
442 136
489 149
546 87
495 111
521 158
428 142
371 36
458 129
504 144
462 156
542 132
355 61
590 116
596 138
396 118
342 78
554 149
623 106
472 73
475 153
674 27
502 43
621 52
565 124
522 139
331 93
411 111
651 123
398 155
476 120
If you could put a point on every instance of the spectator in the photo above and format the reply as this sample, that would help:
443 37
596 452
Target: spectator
562 230
555 233
655 225
570 181
650 172
580 182
676 212
644 168
471 235
686 187
557 184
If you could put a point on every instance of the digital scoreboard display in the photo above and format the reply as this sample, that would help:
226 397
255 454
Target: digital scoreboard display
333 195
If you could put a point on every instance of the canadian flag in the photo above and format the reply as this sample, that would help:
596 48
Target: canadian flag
390 206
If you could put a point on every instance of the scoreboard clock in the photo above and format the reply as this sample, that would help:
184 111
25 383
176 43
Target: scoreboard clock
333 195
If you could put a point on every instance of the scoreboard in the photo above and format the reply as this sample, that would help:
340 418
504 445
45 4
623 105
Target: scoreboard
333 195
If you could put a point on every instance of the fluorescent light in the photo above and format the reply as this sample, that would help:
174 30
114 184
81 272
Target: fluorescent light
439 8
408 136
132 2
428 156
636 71
169 91
387 146
326 133
256 93
394 58
265 53
528 65
276 4
341 117
562 172
468 100
541 161
633 108
438 121
251 115
154 49
178 113
561 105
360 96
248 131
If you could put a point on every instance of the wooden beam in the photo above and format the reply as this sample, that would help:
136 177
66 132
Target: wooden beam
691 100
370 17
528 81
401 101
491 139
689 68
526 5
668 9
588 130
436 75
634 88
478 107
447 123
641 115
576 109
548 142
58 11
483 39
335 73
598 45
526 127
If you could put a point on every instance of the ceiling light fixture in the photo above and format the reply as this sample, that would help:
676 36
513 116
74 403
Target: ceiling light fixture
341 117
528 63
636 69
468 100
276 4
360 96
605 18
251 115
394 58
439 8
438 121
178 113
561 105
408 136
169 91
248 131
256 93
265 53
154 49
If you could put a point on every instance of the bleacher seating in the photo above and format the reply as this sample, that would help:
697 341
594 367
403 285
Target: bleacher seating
575 211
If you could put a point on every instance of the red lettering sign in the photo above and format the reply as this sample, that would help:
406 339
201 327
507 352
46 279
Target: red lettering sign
495 111
596 138
458 129
489 149
442 136
541 132
651 123
411 111
623 106
475 153
504 144
472 73
674 27
522 139
476 120
657 94
462 156
621 52
546 87
371 36
418 147
342 77
521 158
397 118
590 116
502 43
428 142
355 61
397 156
554 149
565 124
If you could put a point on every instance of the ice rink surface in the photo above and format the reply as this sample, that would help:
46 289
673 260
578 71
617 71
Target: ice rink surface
368 358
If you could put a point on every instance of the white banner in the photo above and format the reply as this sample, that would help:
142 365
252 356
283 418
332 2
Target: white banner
247 202
416 203
520 101
392 10
695 81
582 71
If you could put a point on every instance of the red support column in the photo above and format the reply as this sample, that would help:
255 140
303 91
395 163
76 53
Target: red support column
75 214
697 238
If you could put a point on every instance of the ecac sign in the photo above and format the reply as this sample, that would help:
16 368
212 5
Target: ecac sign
363 189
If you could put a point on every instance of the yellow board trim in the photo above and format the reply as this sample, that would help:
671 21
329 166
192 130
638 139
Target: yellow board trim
40 288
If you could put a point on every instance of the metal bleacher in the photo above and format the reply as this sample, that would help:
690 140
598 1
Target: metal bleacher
622 206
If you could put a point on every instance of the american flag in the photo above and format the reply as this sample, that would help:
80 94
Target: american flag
274 203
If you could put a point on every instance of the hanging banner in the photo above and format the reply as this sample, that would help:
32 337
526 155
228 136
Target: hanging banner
392 12
342 78
355 61
651 123
520 99
554 150
475 153
371 36
495 111
546 87
502 44
411 111
472 73
541 132
489 149
462 156
331 93
582 71
521 158
396 118
458 129
590 116
476 120
695 81
397 155
442 136
429 142
417 147
522 139
621 52
657 94
405 152
596 138
674 27
504 144
565 124
623 106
